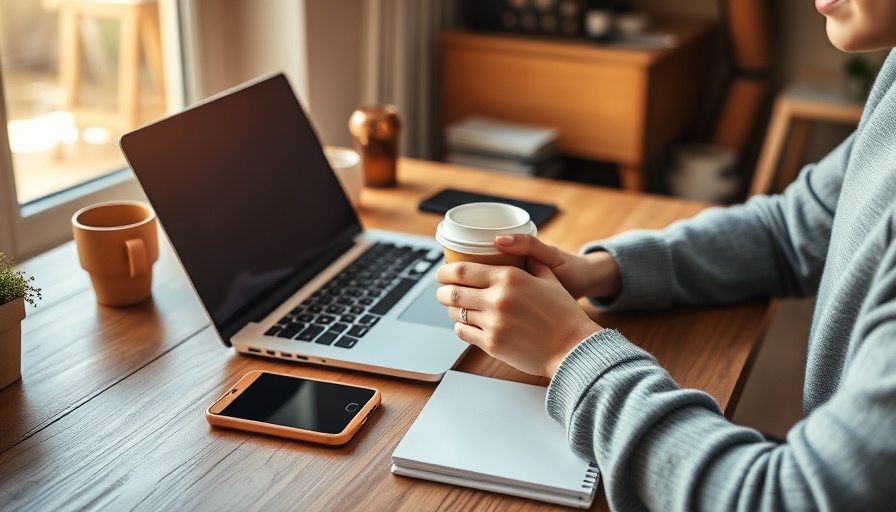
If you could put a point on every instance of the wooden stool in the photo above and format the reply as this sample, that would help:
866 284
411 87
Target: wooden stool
795 108
139 26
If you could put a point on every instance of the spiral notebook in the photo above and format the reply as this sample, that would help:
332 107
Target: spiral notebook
494 435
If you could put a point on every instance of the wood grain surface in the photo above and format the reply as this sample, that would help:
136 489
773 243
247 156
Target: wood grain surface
109 413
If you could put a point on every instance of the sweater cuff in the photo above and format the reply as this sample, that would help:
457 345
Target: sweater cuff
645 268
590 360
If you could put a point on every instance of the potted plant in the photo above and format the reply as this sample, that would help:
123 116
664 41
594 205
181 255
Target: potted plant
15 291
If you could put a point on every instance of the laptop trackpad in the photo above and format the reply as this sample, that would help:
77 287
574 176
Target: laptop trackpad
426 309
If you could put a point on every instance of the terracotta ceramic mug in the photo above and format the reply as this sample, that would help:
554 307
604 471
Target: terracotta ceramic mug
468 232
118 242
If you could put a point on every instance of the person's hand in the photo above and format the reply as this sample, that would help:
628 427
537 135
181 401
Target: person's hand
528 321
595 274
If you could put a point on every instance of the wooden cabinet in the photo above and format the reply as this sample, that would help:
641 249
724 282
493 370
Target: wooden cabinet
614 104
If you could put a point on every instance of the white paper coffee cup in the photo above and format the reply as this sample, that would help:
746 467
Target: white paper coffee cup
468 232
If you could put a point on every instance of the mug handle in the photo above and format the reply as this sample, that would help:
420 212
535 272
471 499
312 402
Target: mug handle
136 256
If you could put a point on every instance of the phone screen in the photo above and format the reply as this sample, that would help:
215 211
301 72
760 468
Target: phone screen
294 402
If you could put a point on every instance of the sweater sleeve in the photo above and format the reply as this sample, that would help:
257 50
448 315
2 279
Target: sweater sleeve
771 245
660 447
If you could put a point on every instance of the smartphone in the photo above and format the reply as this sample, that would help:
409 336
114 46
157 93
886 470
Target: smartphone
299 408
446 199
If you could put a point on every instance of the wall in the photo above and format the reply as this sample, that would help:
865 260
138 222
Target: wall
241 39
707 8
334 66
238 40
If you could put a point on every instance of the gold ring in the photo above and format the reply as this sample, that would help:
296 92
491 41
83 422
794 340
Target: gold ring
463 315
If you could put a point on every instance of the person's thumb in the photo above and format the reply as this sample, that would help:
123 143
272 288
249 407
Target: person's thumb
527 245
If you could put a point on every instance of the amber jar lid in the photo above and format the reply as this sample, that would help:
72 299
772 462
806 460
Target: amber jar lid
376 121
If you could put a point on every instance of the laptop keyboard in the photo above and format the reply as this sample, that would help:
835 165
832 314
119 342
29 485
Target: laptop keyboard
342 311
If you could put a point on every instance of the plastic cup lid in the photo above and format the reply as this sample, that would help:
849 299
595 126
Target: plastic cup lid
471 228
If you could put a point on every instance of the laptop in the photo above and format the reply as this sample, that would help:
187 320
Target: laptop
274 249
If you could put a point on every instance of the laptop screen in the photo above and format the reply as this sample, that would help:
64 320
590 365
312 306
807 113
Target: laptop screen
243 190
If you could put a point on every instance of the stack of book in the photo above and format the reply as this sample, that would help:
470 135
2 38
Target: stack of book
511 148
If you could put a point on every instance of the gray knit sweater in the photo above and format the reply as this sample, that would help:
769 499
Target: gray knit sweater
833 232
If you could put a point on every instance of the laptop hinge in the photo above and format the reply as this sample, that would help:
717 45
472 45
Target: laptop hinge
274 297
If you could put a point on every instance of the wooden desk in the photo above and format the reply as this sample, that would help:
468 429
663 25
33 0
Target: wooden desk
109 413
620 105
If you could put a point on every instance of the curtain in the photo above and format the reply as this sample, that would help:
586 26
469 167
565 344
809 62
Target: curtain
401 67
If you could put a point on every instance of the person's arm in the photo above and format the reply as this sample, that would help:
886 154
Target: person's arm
660 447
771 245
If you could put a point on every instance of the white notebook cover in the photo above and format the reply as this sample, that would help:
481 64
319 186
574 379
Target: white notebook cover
494 435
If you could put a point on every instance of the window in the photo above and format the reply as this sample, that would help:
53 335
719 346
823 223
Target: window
74 76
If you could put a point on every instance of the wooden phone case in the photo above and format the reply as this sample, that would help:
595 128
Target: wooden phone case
214 418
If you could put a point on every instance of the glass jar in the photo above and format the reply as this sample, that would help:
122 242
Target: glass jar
376 129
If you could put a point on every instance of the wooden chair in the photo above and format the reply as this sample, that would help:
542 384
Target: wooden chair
139 29
795 109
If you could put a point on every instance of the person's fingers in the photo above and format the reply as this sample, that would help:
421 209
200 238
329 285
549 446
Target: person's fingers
469 333
539 269
464 273
459 297
457 314
527 245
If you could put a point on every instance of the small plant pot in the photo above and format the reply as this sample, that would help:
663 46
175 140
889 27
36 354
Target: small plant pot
11 316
